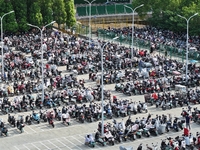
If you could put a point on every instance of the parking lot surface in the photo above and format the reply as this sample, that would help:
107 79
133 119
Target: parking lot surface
43 137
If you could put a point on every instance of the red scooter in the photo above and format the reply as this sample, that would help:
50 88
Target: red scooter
51 122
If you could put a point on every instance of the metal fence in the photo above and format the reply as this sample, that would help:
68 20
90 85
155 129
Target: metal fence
171 51
144 44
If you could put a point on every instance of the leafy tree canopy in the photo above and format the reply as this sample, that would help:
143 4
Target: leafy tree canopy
165 13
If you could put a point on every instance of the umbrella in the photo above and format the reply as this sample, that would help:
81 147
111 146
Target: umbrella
193 61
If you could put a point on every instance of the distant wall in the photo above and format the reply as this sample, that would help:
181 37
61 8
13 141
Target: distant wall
119 18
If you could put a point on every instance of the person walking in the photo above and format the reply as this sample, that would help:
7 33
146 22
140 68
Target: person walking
187 120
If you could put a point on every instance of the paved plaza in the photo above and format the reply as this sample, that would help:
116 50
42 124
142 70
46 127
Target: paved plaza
43 137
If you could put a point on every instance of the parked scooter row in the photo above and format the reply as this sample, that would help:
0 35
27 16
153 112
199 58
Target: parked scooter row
132 130
168 100
19 123
179 142
194 113
51 99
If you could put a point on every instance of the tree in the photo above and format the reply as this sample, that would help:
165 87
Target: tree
20 8
70 11
9 22
46 10
59 13
188 11
34 14
164 13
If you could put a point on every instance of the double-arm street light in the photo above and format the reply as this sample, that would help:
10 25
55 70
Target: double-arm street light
133 11
187 38
102 87
2 42
41 47
90 3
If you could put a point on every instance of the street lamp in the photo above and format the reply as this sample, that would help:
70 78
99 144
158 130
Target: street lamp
102 86
90 3
187 38
133 10
2 43
41 38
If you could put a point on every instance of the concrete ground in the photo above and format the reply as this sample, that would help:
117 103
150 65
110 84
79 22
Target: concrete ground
44 137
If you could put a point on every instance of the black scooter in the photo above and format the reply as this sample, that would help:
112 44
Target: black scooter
20 126
28 120
4 131
11 120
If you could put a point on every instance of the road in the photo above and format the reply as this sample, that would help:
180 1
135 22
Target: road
44 137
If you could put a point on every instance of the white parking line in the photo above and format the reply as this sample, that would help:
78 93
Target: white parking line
24 131
72 143
31 129
26 147
54 145
35 146
77 140
63 144
44 145
40 126
16 148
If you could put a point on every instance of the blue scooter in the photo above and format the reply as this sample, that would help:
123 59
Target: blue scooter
36 117
174 126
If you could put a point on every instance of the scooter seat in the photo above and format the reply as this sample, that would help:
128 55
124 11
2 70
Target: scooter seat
140 130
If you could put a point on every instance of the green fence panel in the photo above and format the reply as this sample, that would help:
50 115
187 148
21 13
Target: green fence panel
111 9
81 11
180 54
128 10
120 9
93 11
101 10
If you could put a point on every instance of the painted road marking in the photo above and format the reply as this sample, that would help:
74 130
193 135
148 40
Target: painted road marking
63 144
72 143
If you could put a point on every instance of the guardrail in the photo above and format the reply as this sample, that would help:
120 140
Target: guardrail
161 48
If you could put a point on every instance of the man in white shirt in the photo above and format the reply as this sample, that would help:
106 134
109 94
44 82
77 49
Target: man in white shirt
187 140
64 116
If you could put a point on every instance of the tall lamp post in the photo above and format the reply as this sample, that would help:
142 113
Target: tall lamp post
102 87
187 38
2 43
90 3
41 47
133 10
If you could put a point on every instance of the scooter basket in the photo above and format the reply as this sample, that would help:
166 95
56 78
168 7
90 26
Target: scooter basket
164 108
182 121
